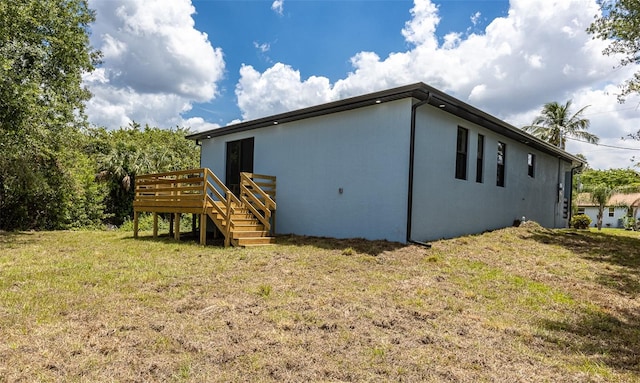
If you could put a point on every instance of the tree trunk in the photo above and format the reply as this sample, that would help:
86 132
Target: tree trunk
1 197
599 217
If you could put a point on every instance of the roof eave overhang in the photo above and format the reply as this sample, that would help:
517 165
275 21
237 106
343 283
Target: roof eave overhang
419 91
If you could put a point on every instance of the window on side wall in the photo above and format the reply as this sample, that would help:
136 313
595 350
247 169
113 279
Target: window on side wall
531 164
480 159
612 211
461 153
502 159
580 210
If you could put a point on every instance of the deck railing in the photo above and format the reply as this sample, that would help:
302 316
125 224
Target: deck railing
258 192
200 191
185 191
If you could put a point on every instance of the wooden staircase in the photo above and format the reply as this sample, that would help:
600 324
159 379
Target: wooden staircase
245 229
247 220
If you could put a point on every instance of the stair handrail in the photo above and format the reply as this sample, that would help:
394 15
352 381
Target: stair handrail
248 190
228 200
209 174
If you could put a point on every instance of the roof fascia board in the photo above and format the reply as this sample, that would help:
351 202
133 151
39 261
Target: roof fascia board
313 111
418 91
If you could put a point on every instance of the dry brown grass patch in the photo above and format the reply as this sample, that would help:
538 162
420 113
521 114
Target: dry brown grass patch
520 304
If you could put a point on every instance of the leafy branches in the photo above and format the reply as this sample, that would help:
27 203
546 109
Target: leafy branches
620 24
44 50
122 154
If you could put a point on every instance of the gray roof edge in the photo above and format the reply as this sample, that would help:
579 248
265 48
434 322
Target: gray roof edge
419 91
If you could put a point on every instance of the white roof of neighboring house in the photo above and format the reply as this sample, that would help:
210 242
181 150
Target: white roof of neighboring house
618 199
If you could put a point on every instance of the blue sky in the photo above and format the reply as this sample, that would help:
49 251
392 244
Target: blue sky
209 63
318 37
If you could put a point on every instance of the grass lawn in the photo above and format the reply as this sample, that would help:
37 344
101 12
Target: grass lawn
514 305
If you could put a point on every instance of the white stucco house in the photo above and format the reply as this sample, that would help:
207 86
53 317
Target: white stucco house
409 164
620 205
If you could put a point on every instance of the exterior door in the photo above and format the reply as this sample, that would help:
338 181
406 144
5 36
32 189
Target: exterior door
239 159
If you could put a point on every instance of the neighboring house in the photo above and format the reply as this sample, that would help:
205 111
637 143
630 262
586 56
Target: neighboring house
620 205
406 164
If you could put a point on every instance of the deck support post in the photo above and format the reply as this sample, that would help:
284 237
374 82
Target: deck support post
177 228
227 234
135 224
203 229
155 224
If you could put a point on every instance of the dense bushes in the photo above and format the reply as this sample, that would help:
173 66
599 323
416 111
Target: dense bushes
89 180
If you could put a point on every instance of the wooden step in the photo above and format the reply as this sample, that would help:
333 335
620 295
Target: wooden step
248 227
255 241
239 218
249 234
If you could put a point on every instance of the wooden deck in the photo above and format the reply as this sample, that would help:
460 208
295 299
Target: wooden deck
247 220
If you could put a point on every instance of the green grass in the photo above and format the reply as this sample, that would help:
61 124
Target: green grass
520 304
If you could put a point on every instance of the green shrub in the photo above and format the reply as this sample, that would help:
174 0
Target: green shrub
580 221
145 223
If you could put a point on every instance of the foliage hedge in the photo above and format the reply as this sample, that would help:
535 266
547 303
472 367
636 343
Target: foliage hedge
580 221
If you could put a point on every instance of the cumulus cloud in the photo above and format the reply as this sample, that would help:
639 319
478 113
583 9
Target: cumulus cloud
155 63
278 89
538 53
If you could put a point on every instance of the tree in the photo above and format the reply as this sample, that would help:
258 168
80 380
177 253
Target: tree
623 180
122 154
620 24
556 123
600 195
44 51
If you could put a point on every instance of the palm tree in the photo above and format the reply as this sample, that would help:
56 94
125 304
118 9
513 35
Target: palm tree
600 195
555 124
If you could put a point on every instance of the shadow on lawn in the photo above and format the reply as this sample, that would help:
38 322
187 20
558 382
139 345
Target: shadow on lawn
608 335
358 245
16 237
184 238
623 253
606 339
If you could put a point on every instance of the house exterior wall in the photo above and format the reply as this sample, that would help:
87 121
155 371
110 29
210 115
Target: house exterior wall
362 151
444 206
616 221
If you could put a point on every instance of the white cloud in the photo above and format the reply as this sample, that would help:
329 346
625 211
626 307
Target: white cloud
278 89
420 30
538 53
263 48
278 6
475 18
198 124
155 63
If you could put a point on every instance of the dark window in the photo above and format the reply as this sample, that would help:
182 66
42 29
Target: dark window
461 153
580 210
480 158
531 163
612 211
502 150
